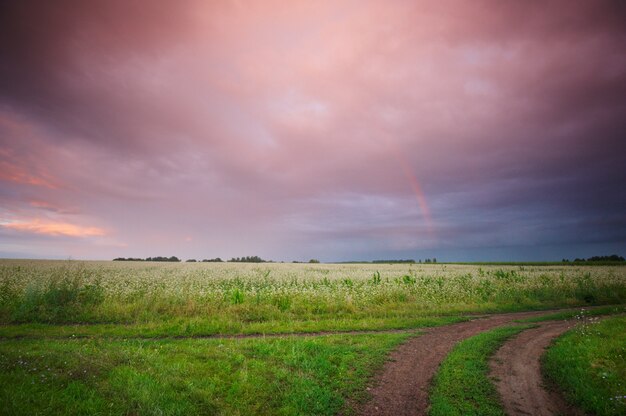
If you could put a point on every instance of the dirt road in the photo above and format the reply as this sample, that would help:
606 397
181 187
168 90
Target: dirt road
402 387
516 368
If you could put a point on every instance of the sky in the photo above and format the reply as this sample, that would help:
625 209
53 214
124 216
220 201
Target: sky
335 130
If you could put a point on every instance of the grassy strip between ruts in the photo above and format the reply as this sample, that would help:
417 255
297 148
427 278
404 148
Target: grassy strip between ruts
580 313
589 364
282 376
462 385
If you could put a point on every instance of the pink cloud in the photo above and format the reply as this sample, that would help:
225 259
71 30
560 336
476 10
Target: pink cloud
12 173
54 228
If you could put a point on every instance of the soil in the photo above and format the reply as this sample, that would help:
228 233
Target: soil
516 370
403 385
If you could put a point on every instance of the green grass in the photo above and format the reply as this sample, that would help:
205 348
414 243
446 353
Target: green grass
462 386
282 376
589 364
564 315
189 328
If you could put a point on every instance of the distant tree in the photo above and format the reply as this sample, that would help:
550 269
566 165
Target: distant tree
191 261
215 260
394 261
314 261
613 257
158 258
247 259
161 258
434 260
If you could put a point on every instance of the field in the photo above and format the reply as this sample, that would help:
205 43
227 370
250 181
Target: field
203 299
198 338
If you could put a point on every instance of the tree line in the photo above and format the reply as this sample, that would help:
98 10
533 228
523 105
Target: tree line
407 261
410 261
611 258
245 259
158 258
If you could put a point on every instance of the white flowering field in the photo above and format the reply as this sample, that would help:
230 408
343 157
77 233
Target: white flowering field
232 297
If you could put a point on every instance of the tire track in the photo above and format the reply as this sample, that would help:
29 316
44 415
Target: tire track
216 336
517 371
402 388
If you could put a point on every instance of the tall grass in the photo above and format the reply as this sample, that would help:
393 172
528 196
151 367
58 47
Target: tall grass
91 292
66 294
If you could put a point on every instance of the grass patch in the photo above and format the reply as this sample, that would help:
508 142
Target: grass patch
589 364
564 315
286 376
204 328
462 386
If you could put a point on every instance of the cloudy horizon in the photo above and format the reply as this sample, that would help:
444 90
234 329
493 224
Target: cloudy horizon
349 130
